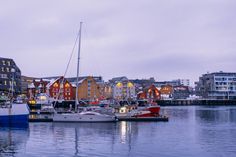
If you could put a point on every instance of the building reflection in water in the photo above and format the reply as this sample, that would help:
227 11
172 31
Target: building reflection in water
84 138
216 129
216 114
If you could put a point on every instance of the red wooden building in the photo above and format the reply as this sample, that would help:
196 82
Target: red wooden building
151 93
61 89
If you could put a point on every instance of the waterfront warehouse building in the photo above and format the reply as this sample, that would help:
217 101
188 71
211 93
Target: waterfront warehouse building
9 72
217 85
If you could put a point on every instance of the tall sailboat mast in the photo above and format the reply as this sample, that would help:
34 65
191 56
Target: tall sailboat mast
77 76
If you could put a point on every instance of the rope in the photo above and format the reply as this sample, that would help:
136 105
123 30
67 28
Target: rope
67 67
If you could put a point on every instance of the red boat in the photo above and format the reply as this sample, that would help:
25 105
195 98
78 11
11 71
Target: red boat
150 110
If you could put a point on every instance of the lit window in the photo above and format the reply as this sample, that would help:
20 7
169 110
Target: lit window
55 84
67 85
119 84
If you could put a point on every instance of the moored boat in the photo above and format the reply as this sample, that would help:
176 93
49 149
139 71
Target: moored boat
86 116
14 114
83 116
147 112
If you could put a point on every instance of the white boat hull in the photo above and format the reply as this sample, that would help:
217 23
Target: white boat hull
76 117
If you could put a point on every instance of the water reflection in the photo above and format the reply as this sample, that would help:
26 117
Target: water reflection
85 137
216 130
216 114
12 140
191 131
123 131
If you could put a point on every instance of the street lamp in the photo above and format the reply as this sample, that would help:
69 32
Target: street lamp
12 83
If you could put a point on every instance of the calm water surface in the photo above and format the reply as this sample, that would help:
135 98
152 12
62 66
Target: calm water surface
192 131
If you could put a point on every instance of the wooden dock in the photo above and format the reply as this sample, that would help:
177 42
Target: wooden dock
123 118
144 119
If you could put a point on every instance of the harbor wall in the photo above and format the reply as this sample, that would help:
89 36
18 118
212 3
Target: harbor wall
195 102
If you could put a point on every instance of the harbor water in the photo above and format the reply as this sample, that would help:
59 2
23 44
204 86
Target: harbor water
208 131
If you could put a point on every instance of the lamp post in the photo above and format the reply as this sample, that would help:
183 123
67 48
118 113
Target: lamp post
12 83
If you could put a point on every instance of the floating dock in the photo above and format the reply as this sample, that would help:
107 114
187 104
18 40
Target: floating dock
123 118
40 120
156 119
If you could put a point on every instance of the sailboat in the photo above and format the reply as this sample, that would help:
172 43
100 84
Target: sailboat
84 115
14 114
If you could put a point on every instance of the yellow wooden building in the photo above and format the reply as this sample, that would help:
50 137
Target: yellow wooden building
89 89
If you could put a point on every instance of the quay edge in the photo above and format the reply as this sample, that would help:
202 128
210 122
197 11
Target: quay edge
185 102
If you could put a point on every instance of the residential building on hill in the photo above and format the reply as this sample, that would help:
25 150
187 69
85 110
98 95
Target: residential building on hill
9 72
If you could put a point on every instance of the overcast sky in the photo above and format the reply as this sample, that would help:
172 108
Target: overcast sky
164 39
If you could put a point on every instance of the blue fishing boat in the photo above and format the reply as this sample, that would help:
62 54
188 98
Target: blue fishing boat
14 114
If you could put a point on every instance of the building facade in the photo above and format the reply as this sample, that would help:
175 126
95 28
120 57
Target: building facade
9 74
218 85
123 90
166 92
36 87
180 92
150 93
178 82
89 89
61 89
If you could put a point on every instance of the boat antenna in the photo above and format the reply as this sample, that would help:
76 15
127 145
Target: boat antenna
77 76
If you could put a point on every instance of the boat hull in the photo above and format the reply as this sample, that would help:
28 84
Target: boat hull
14 120
16 115
82 118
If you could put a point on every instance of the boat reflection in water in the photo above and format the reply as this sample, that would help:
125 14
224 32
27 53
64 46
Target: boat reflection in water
86 139
13 140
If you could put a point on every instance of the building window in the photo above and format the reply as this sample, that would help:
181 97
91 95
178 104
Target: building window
55 85
67 85
3 76
3 62
9 63
8 70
